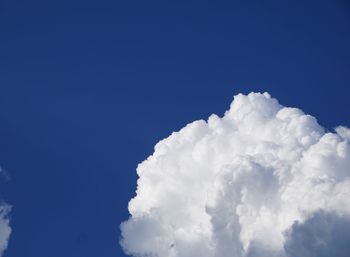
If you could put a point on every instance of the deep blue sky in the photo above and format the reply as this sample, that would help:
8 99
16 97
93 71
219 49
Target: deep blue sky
88 87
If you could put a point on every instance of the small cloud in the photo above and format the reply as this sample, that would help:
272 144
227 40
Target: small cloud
5 229
4 174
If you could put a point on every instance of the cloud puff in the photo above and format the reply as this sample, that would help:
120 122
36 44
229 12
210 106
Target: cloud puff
260 181
5 229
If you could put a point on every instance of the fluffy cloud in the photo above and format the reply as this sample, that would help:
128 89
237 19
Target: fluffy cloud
262 180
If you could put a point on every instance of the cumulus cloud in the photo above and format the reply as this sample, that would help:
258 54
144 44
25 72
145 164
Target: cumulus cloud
5 229
263 180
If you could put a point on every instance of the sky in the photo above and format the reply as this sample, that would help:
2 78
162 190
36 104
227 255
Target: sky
87 88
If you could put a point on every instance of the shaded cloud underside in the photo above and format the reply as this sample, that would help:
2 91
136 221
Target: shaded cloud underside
260 181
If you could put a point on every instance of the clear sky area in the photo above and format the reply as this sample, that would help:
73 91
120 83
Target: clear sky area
87 88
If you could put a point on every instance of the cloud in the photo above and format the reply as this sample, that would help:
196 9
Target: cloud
322 235
259 181
5 229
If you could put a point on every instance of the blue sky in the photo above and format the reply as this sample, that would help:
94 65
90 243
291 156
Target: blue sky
88 87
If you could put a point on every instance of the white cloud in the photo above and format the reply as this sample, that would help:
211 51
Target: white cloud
246 184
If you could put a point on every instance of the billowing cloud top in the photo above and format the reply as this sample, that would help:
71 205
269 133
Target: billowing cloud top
263 180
